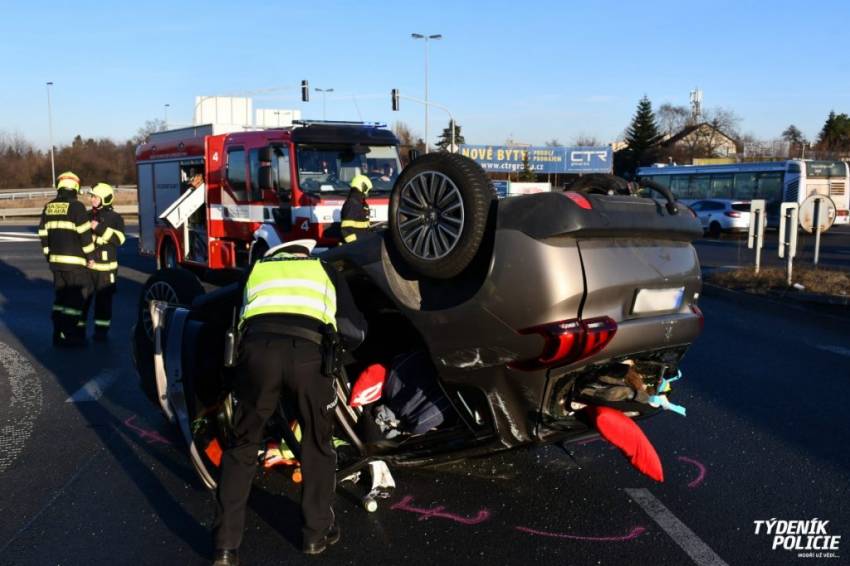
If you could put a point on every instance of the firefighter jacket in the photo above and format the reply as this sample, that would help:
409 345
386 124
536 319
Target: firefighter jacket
108 236
285 290
65 232
354 217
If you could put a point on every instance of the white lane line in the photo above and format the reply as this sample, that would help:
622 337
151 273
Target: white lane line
24 405
16 239
840 350
23 234
693 546
94 388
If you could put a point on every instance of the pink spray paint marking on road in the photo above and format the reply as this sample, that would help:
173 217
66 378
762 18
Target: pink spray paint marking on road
700 467
150 436
634 533
439 512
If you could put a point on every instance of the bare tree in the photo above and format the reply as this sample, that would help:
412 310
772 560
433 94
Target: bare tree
150 127
672 118
585 140
553 143
723 119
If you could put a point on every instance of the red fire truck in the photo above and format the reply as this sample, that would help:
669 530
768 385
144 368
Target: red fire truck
258 188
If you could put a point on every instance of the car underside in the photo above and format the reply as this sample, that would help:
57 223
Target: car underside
562 300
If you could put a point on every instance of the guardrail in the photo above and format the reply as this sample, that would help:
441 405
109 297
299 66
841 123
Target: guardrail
36 212
37 193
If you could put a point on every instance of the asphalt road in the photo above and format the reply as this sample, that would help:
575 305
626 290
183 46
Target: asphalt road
97 476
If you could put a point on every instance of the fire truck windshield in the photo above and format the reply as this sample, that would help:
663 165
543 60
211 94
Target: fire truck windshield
330 168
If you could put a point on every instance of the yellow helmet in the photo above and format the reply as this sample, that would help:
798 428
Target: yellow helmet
362 183
104 192
68 180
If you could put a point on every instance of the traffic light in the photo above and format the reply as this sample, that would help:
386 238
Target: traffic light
305 91
395 99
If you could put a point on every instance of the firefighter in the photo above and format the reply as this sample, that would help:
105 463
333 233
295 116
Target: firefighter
355 210
108 230
294 310
66 239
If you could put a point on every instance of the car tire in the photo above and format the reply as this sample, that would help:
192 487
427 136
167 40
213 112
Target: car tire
601 183
438 213
714 230
175 286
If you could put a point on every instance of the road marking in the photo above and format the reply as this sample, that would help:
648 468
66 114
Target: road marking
24 405
17 239
94 389
693 546
840 350
23 234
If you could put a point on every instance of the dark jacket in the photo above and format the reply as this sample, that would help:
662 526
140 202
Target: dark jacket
108 236
350 322
65 232
354 217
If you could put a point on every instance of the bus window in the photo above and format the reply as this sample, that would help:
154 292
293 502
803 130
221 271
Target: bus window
679 186
280 172
236 172
721 186
745 186
698 186
770 186
663 180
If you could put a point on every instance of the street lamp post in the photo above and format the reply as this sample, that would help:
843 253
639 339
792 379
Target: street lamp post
50 134
427 38
324 92
166 115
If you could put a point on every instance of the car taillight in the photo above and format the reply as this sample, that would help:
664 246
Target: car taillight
843 212
697 311
568 341
579 199
732 214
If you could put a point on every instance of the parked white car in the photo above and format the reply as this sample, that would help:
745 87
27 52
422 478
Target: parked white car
722 215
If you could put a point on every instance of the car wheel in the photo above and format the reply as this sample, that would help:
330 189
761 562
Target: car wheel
714 230
174 286
438 213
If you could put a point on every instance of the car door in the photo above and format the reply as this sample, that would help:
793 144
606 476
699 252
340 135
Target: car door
699 208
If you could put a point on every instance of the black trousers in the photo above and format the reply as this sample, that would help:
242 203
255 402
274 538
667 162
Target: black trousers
103 289
72 289
271 365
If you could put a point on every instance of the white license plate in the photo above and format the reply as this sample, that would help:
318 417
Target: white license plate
658 300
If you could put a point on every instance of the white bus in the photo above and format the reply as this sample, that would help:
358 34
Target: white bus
776 182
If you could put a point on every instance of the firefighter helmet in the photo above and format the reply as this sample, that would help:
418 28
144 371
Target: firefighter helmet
362 183
104 192
68 180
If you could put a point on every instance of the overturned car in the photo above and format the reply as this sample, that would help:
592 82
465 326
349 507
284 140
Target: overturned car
524 310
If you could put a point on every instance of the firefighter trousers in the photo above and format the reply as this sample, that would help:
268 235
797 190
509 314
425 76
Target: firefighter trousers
103 289
72 289
271 365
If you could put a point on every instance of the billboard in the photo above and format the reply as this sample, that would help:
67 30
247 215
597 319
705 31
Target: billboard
506 159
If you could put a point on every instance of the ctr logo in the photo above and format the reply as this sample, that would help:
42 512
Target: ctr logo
586 157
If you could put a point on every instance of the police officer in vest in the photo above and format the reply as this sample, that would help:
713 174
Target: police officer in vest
66 239
293 308
354 217
108 228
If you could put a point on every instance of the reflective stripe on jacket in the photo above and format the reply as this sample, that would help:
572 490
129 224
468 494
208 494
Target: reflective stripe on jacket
65 232
108 236
289 285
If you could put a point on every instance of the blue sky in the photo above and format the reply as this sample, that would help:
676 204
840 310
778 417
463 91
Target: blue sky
527 70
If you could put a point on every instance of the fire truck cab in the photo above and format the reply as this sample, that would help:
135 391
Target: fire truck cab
259 188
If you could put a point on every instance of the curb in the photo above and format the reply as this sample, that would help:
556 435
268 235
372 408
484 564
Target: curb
801 299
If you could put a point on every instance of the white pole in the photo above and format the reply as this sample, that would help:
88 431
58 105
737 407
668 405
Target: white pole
817 229
427 145
50 134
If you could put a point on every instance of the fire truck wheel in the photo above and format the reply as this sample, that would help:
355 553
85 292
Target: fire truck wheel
175 286
438 213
